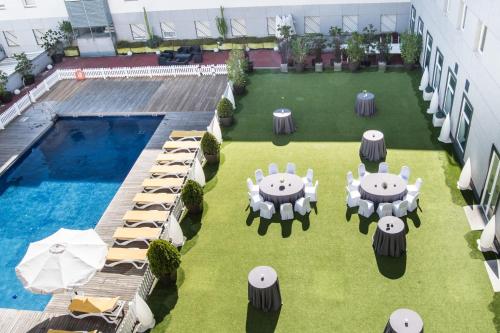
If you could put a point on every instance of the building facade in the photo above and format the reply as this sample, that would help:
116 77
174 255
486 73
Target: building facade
461 48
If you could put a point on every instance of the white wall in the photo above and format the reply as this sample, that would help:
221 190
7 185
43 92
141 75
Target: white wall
15 10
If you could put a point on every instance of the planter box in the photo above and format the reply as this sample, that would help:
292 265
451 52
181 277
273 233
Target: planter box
337 66
318 67
427 95
167 48
121 50
140 49
71 53
382 66
437 122
284 68
209 47
226 46
269 45
256 46
150 50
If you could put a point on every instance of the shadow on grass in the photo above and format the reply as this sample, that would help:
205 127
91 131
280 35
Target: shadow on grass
364 223
191 225
471 238
494 307
261 322
391 267
164 298
413 216
286 226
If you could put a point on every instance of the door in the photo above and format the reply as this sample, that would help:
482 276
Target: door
491 191
464 122
428 50
438 69
451 83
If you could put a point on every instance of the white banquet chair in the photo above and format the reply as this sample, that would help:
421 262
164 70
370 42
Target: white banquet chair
267 210
252 188
259 175
366 208
290 168
405 173
311 192
286 211
352 183
273 168
400 208
255 201
302 206
384 209
362 171
383 167
308 179
353 197
415 188
412 200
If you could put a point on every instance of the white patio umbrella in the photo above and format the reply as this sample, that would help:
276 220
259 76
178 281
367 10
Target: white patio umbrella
214 128
63 261
433 106
444 135
197 173
424 82
465 177
488 237
174 232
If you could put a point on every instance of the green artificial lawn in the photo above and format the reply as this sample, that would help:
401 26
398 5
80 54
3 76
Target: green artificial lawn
330 279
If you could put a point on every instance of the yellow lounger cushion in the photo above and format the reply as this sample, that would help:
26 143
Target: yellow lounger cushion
146 215
187 134
170 169
137 233
181 144
163 182
120 253
92 304
179 157
155 197
63 331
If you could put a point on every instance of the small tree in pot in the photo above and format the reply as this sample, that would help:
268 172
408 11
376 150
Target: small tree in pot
52 42
5 95
355 51
411 47
369 42
383 48
300 49
236 71
336 34
211 148
316 43
192 196
164 259
24 67
225 112
284 46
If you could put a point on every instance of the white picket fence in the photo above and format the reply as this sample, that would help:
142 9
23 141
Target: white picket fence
104 73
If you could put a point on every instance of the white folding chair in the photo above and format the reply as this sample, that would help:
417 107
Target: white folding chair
383 167
267 210
273 168
353 197
362 171
352 183
405 173
415 188
302 206
384 209
400 208
254 189
290 168
255 201
366 208
308 179
259 175
311 192
286 211
412 200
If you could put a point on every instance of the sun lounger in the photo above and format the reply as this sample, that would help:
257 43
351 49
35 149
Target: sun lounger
108 308
146 200
63 331
186 135
179 146
125 236
135 218
173 185
179 158
161 171
132 256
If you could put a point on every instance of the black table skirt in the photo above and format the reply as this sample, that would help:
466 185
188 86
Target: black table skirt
265 299
386 244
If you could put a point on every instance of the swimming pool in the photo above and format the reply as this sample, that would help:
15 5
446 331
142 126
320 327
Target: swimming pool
66 180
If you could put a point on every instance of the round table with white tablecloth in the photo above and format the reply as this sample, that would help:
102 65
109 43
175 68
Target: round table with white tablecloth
365 104
283 122
280 188
404 321
382 187
373 146
264 289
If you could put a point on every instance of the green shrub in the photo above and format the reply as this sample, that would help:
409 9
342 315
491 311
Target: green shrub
163 257
411 47
225 108
209 144
192 194
355 49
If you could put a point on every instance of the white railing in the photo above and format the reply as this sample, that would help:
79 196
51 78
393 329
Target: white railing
104 73
128 322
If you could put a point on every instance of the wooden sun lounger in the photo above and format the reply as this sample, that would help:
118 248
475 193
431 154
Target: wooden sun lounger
186 135
134 256
125 236
179 171
145 200
63 331
134 218
179 146
170 158
152 185
108 308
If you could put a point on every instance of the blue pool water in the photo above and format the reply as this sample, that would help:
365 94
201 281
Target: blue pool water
66 180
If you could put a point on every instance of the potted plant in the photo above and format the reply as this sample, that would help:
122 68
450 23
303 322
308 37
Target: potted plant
438 118
24 67
211 148
236 71
5 95
355 51
221 24
225 112
316 43
52 42
369 42
164 259
411 47
67 30
192 196
336 34
153 41
383 48
427 93
284 46
300 49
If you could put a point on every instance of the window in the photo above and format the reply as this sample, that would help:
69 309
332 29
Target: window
167 30
38 33
463 15
238 27
29 3
464 124
350 23
449 95
202 29
482 37
420 27
413 16
388 23
138 31
491 190
11 38
271 26
428 50
311 25
446 7
438 69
